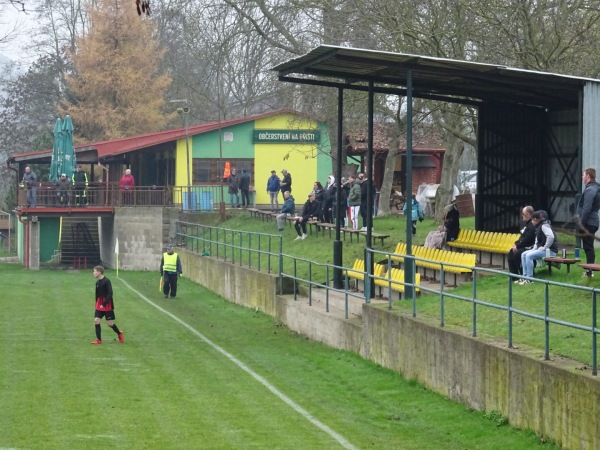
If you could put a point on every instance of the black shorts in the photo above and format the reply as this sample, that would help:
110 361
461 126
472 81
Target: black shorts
110 315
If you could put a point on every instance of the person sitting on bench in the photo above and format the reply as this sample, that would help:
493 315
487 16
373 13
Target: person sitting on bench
545 244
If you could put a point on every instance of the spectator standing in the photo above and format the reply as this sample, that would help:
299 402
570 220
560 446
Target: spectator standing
126 185
354 200
245 188
170 269
63 190
587 216
234 185
364 184
329 199
273 186
30 180
416 213
80 185
289 208
286 182
525 242
344 192
319 198
310 209
545 239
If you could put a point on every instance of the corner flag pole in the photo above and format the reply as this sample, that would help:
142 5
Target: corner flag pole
117 254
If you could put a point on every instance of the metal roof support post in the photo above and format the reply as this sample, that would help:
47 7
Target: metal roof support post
409 275
338 281
369 282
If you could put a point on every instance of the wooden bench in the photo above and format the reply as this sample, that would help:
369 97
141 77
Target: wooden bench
266 216
437 260
394 281
556 261
358 233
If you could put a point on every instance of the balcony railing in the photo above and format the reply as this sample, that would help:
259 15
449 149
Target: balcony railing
194 198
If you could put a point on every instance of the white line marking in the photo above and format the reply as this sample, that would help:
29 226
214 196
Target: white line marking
338 437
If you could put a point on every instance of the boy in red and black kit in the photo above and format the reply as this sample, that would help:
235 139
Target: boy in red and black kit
104 305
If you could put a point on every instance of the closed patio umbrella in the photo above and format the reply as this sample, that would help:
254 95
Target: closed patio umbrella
69 160
57 151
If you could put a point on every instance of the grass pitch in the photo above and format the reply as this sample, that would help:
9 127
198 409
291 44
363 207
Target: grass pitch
198 372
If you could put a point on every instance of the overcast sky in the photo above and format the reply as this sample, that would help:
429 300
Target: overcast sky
9 16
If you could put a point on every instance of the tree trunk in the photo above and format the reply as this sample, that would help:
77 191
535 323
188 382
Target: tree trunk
443 196
385 192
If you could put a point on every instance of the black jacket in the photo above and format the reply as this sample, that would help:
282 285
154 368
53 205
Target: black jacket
527 238
244 181
452 224
310 209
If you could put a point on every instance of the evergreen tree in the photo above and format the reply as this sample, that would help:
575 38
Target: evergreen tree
116 89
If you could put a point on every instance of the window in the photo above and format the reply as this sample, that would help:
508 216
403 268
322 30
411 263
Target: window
210 171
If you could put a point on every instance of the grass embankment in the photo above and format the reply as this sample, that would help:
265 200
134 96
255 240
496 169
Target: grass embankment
170 385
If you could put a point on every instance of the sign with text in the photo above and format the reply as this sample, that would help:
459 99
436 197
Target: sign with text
286 137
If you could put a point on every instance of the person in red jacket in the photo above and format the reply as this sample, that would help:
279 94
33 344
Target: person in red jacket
126 185
105 306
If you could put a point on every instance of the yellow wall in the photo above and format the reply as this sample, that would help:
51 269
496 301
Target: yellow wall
181 178
299 160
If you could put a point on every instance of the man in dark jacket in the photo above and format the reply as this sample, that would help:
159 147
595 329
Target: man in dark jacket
30 181
286 182
364 183
524 242
245 188
233 183
587 216
80 184
310 209
63 190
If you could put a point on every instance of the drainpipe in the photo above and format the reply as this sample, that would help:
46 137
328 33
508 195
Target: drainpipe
26 223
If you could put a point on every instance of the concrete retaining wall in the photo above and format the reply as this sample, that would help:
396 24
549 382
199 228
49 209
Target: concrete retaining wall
556 399
142 234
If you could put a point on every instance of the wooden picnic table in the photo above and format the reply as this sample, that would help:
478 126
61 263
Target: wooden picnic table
592 267
557 261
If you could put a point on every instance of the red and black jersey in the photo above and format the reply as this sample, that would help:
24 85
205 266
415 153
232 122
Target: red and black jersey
104 295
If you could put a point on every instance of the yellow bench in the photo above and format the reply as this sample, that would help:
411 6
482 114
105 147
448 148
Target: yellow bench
358 270
433 258
394 280
485 241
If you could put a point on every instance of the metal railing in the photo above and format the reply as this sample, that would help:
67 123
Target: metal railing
260 251
195 198
476 301
265 252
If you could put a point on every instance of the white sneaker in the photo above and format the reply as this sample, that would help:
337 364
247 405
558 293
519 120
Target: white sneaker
298 238
363 229
303 236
